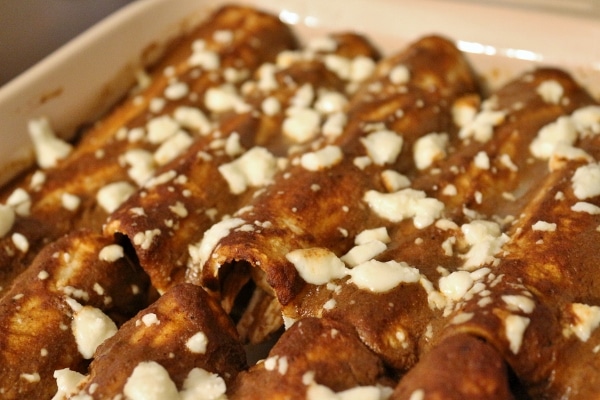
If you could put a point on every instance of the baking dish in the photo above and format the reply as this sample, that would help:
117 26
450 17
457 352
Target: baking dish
83 78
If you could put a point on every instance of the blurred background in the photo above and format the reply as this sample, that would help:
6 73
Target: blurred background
31 29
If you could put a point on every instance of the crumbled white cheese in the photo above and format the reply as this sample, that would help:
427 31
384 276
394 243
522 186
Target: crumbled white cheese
482 160
66 382
141 164
254 168
486 240
160 179
150 381
461 318
321 392
463 112
202 384
20 201
150 319
514 329
508 162
317 265
363 252
31 378
91 327
587 120
450 190
277 362
49 149
200 251
330 102
399 75
37 180
7 219
223 36
586 181
206 59
320 159
368 235
334 125
587 319
161 128
197 343
192 118
20 242
267 79
303 97
377 276
560 132
176 90
455 285
301 124
362 162
172 147
70 201
394 181
361 68
270 106
519 303
223 98
564 153
430 148
383 147
339 65
417 394
544 226
481 128
112 195
585 207
111 253
145 238
403 204
551 91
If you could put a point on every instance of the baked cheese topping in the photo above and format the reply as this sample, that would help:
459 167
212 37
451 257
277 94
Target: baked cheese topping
150 380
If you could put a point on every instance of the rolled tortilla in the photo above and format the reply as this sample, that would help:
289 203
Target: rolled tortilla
541 310
184 338
313 354
76 293
221 172
413 274
80 186
317 200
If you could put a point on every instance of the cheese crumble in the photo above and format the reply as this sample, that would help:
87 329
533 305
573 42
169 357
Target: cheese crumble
321 159
91 327
430 148
383 147
111 253
254 168
317 265
49 149
197 343
586 181
403 204
112 195
587 319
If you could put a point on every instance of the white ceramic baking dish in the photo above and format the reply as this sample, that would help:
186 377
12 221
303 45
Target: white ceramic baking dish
83 78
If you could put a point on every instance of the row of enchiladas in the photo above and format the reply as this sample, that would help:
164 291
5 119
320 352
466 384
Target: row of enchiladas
395 230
